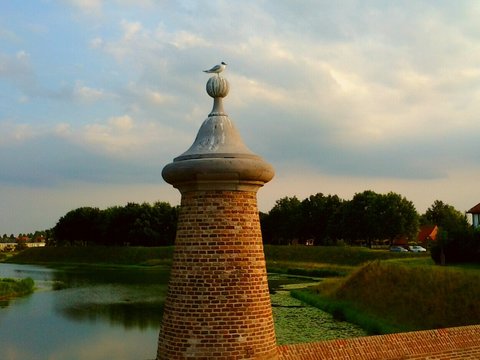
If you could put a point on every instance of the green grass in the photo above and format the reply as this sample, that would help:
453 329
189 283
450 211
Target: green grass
308 268
401 297
338 255
301 260
10 287
147 256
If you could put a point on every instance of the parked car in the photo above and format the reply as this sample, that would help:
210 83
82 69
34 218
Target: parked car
417 248
398 249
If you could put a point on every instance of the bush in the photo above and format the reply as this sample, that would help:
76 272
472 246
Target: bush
462 249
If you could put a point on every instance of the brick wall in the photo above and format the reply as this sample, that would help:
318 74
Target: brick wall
218 304
462 343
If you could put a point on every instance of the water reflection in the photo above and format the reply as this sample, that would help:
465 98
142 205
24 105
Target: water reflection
129 306
131 297
98 313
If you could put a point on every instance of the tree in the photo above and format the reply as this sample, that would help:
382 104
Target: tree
458 242
397 217
370 216
359 218
282 225
320 215
447 218
133 224
79 226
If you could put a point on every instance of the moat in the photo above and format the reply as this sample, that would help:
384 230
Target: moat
94 313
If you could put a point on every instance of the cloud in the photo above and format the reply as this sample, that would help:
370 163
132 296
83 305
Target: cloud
353 90
90 7
85 93
11 133
17 70
8 35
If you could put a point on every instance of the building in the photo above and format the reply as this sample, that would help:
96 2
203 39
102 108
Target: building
427 234
475 211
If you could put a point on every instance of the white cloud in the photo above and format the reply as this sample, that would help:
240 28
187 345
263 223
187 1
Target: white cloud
131 30
184 39
63 130
120 136
8 35
17 69
11 133
121 123
156 97
85 93
96 42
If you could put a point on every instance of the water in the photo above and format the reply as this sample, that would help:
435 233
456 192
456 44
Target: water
296 322
105 313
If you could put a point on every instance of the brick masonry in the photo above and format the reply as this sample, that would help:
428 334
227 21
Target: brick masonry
461 343
218 303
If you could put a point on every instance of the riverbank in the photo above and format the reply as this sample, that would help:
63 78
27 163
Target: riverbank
281 258
98 255
11 288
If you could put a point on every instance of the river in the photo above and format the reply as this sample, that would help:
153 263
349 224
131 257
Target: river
99 313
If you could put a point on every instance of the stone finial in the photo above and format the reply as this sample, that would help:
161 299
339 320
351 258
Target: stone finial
217 87
225 157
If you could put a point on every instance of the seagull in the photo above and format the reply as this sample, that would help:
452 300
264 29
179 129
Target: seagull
217 69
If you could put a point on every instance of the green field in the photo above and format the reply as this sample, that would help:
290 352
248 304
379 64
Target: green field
99 255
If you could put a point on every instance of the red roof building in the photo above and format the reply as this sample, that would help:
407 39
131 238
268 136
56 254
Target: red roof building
475 211
427 234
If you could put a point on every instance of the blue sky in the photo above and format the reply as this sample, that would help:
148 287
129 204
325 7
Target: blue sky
340 97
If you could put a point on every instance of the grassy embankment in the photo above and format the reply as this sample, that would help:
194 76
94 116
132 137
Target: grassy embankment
387 297
297 260
109 256
11 288
381 291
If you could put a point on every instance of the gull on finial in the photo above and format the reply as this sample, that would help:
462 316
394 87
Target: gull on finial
217 69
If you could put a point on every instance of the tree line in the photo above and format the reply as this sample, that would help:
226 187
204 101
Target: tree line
369 218
366 219
131 225
326 220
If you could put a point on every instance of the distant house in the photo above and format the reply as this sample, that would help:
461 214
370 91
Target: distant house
7 246
475 211
427 234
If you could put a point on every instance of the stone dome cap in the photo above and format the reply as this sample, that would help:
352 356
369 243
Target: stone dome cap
218 156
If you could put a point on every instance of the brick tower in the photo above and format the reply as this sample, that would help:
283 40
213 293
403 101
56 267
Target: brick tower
218 304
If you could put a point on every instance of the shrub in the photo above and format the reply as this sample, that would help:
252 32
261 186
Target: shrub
11 287
465 249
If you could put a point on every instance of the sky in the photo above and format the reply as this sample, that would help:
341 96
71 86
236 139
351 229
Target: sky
96 97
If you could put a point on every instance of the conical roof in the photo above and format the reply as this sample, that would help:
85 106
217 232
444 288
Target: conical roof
218 157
